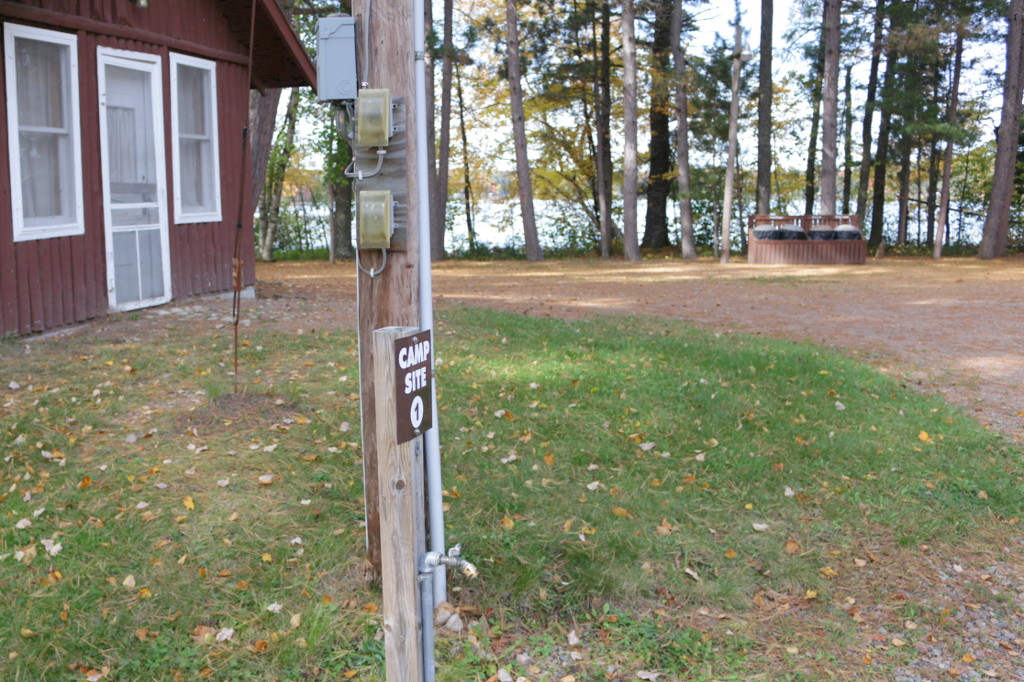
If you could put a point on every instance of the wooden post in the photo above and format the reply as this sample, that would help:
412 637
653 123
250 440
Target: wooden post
400 477
392 297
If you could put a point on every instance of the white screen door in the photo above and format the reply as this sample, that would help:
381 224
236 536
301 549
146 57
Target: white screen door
134 179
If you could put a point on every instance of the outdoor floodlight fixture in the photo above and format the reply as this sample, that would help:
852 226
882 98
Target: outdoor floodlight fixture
375 213
373 118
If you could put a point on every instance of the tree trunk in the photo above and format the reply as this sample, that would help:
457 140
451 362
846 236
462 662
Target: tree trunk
630 179
339 189
467 186
933 191
730 162
262 117
847 139
440 205
952 114
869 112
764 112
603 123
533 250
997 222
905 146
880 165
686 242
812 143
830 106
659 178
341 220
270 200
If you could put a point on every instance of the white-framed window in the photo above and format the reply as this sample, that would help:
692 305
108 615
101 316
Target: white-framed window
195 146
44 139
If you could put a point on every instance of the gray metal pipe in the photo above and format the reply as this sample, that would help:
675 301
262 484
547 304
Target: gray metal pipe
431 439
428 564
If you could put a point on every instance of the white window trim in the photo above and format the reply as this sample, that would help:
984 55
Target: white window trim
23 232
180 216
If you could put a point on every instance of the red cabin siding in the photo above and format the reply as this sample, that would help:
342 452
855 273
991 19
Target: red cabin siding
48 283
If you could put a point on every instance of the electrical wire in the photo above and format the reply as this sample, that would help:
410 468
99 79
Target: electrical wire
352 172
373 273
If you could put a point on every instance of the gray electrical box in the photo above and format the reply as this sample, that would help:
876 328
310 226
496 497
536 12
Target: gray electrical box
336 73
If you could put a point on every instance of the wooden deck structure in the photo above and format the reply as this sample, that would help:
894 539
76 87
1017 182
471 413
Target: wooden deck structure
804 251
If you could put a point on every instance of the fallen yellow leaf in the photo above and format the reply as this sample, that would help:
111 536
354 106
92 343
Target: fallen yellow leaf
619 511
549 459
507 523
730 553
664 528
189 504
924 437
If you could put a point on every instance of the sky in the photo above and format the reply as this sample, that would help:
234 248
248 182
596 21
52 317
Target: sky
717 17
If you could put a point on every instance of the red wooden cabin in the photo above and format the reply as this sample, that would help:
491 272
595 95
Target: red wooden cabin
122 150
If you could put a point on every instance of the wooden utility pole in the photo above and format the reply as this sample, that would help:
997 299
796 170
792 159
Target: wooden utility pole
400 477
390 298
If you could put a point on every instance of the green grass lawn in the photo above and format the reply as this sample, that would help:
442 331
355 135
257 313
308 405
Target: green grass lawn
610 477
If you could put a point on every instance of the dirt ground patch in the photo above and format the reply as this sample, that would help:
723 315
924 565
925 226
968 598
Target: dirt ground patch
956 326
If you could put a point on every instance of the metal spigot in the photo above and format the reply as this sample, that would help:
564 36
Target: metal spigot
455 560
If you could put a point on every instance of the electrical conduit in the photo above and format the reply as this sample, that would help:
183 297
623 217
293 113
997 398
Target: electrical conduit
431 440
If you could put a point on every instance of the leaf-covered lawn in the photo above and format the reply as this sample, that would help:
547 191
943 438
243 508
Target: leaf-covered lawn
639 484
